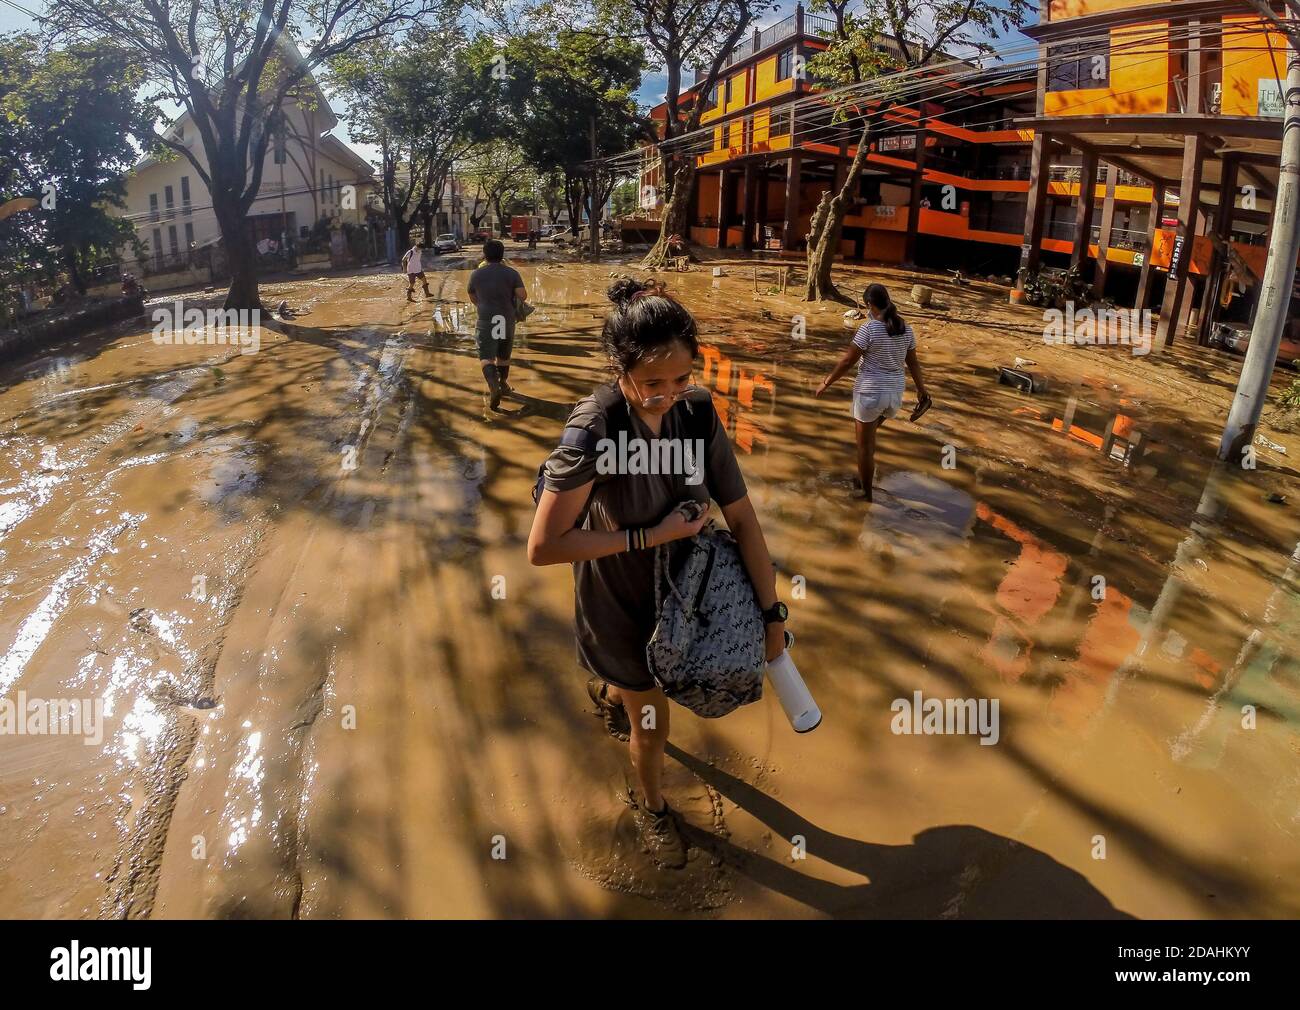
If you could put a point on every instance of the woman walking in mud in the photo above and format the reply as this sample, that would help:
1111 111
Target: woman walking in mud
881 347
651 342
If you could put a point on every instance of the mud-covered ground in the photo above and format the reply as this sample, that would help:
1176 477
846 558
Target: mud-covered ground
335 687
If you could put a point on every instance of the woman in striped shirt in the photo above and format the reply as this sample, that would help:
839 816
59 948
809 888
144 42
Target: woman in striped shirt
882 346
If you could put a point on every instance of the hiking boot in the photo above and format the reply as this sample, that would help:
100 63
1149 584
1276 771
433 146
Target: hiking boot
660 834
617 723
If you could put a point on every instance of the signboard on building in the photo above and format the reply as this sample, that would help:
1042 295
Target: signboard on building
898 142
1176 255
1270 99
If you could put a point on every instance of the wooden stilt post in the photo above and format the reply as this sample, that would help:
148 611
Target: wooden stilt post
1189 195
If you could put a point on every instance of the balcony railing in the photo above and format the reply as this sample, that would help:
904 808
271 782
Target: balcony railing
1123 238
1122 178
1074 173
1018 171
742 51
1120 238
1064 173
781 30
815 24
1063 230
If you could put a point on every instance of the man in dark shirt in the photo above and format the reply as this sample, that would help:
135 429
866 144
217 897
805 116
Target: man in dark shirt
493 288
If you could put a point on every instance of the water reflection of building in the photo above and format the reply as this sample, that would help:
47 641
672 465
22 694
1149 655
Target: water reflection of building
734 387
1089 416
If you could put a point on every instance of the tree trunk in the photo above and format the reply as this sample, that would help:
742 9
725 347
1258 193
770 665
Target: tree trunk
827 223
573 203
676 212
241 257
403 234
74 272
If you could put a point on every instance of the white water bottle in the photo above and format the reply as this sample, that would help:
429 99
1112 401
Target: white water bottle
796 699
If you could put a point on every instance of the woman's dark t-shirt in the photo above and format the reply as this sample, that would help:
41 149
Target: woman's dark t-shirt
614 598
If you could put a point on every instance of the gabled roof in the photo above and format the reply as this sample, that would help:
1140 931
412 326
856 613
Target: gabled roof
316 97
335 148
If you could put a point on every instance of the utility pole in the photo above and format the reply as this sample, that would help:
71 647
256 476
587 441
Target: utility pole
594 213
1276 285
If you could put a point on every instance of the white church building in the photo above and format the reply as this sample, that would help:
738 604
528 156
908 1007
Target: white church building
311 176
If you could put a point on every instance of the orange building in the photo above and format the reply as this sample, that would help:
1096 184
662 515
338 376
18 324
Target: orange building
1137 104
1183 97
946 182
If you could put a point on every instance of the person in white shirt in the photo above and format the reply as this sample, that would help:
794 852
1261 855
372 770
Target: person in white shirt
881 347
414 262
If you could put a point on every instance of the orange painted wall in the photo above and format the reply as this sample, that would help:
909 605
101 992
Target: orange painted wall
1202 252
886 246
739 90
1062 9
766 85
1139 77
733 135
708 190
1124 194
1247 59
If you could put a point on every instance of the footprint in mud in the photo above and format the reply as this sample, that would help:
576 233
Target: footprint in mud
610 852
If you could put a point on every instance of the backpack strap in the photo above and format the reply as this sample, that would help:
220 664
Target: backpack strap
613 407
699 426
699 419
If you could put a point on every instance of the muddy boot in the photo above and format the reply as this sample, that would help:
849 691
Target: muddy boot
490 376
503 373
617 723
660 834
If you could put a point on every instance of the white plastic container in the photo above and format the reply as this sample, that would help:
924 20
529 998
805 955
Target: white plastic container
793 693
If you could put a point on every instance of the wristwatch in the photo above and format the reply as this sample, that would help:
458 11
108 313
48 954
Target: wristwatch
776 613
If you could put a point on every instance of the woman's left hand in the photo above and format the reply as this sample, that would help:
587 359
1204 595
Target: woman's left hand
775 640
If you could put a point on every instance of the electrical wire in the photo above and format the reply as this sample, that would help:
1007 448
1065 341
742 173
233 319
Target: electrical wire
31 14
922 83
928 89
175 214
811 136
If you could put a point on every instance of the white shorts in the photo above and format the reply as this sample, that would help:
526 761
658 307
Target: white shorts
868 407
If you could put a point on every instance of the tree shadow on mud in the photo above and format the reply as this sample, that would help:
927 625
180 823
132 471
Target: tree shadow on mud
950 872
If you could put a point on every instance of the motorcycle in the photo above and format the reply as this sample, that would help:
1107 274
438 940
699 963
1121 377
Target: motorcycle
132 288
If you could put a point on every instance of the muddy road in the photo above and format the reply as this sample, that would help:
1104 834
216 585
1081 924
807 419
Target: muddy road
333 687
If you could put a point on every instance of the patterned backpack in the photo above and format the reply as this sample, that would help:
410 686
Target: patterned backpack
708 648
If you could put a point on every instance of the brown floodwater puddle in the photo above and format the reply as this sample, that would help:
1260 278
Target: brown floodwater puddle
336 688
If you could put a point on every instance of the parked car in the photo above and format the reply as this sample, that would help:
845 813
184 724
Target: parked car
446 243
1236 337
